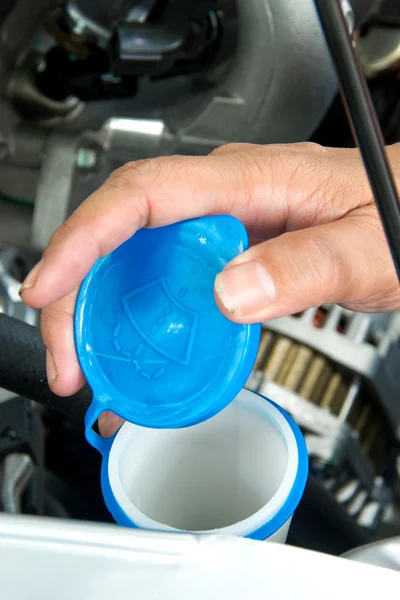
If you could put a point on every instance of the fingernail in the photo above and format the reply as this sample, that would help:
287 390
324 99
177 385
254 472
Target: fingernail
245 288
31 278
50 368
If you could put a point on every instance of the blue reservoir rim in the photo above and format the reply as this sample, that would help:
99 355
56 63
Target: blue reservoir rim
288 508
265 531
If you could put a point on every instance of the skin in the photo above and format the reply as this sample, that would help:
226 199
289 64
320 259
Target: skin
315 231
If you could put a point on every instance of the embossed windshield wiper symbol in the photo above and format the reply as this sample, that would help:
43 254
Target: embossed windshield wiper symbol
163 324
161 320
133 357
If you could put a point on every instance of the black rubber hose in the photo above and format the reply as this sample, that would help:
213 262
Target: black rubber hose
23 370
320 523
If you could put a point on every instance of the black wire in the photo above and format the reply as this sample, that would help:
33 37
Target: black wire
363 121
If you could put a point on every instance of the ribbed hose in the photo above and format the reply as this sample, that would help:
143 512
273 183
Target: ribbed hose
23 372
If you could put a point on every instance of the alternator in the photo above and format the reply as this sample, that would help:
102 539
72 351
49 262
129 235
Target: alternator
335 372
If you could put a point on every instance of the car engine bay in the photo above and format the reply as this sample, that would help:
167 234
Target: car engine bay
86 86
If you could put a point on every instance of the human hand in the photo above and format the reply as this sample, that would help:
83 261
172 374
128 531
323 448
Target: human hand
309 211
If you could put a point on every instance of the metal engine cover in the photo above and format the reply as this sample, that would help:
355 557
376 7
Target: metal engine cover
275 89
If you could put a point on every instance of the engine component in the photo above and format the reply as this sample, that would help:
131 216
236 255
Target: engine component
239 96
73 165
183 38
385 554
365 345
63 154
17 472
94 19
21 430
29 100
379 42
66 77
91 19
221 105
379 51
10 301
22 457
25 484
17 31
335 372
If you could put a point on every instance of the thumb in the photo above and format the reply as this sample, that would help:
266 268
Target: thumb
346 261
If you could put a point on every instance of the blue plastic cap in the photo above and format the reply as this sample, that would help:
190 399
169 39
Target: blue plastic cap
152 344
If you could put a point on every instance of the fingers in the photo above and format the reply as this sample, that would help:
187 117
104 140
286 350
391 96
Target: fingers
271 189
147 193
63 371
345 262
109 424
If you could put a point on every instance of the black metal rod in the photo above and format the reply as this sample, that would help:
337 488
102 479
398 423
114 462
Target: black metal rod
363 120
23 369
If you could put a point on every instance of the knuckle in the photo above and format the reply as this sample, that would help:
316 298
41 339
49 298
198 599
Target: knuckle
229 148
146 169
135 182
256 170
309 147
